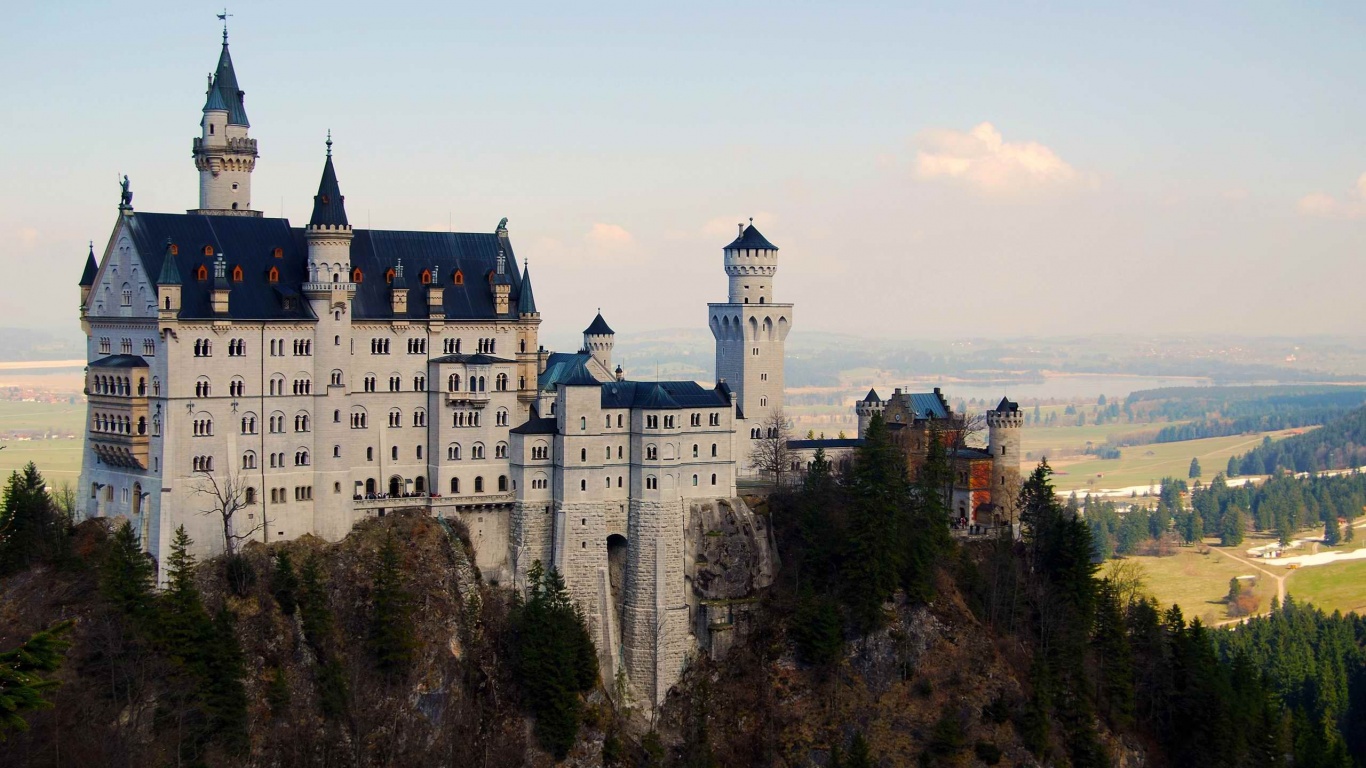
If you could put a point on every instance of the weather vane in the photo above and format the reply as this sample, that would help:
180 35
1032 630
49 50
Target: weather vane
223 17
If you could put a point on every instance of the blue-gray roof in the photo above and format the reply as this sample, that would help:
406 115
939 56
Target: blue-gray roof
661 395
119 361
751 238
475 359
328 205
91 268
565 368
833 442
536 426
1007 406
871 397
598 327
224 93
251 242
526 304
928 405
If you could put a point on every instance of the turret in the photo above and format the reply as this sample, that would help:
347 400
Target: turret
224 154
88 276
502 287
1003 443
168 286
221 287
751 263
866 408
329 233
598 340
526 302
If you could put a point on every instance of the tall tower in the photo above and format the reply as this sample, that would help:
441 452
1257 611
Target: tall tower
1003 443
223 153
598 340
750 330
865 408
330 292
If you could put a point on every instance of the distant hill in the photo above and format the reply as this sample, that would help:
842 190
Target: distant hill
41 343
1339 444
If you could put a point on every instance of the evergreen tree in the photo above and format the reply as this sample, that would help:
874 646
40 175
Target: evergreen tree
284 584
126 578
184 627
554 659
1111 642
316 617
1232 528
859 754
817 630
1332 534
872 569
1194 471
29 524
391 636
224 696
23 671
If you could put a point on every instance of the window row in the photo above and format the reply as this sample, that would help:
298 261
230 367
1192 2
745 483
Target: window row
465 419
396 417
117 385
477 383
453 451
114 424
479 484
203 348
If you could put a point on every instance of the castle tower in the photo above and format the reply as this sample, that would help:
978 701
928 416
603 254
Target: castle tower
598 340
750 330
223 153
88 277
1003 443
330 291
865 408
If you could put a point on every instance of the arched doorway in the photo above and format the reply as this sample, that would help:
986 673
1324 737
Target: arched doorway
370 486
395 485
420 484
137 500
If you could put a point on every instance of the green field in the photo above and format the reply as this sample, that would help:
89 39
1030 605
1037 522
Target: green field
1141 465
1336 587
1199 583
61 417
59 460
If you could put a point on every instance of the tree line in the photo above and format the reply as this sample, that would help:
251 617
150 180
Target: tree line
1338 444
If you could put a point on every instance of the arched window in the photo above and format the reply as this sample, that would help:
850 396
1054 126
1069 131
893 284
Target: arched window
713 479
458 278
356 275
583 485
453 452
713 449
251 496
426 277
249 460
479 484
273 275
502 482
202 273
389 276
208 250
237 274
455 485
583 422
583 454
694 481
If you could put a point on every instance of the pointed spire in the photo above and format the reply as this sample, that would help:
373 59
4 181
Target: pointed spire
329 209
170 273
526 301
599 327
224 93
88 274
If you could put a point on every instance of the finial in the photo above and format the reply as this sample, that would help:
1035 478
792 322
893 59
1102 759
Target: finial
223 17
329 142
751 221
741 227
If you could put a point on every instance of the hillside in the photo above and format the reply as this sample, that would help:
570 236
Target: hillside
1339 444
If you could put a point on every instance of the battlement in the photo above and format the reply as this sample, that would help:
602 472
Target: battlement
1005 419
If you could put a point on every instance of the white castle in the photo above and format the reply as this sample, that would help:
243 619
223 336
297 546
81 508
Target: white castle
323 374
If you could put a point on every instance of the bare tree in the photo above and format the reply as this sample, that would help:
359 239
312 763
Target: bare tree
770 454
227 497
1129 577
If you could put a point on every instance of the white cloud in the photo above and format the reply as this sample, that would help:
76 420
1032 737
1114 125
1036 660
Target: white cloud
982 158
601 244
1350 206
609 237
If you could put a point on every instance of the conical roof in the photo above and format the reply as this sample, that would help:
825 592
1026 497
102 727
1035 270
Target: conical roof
526 302
170 273
872 397
751 238
88 274
224 92
599 327
329 207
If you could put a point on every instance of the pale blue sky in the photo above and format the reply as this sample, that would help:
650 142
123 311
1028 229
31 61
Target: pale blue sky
1161 168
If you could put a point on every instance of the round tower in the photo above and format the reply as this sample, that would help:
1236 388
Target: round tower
751 262
865 409
598 340
1003 443
224 154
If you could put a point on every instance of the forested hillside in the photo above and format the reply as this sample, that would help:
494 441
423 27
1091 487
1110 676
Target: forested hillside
1339 444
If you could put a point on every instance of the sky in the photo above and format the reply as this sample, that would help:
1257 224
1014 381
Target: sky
927 170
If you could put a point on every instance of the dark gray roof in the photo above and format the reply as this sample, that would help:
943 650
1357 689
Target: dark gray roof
927 405
250 242
536 426
224 93
1007 405
328 207
88 274
751 238
969 453
476 359
119 361
598 327
661 395
835 442
170 273
564 368
526 305
871 397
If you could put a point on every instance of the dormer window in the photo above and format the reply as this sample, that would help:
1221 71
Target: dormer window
324 199
356 275
273 275
279 253
202 273
426 277
208 250
237 274
389 276
459 278
175 249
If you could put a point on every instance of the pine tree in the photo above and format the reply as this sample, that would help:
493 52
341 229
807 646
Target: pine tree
284 584
859 754
126 578
1111 642
1233 526
879 489
29 525
1332 534
391 636
554 659
22 675
184 626
1194 471
316 616
224 696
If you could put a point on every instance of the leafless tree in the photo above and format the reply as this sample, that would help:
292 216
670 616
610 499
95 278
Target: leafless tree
770 454
1129 577
226 496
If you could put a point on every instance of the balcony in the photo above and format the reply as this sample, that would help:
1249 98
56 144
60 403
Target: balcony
471 399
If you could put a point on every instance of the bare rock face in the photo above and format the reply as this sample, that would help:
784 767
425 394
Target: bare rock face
729 560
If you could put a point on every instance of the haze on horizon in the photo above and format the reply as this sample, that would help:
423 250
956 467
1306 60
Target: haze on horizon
985 170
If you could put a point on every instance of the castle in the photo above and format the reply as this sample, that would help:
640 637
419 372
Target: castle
305 378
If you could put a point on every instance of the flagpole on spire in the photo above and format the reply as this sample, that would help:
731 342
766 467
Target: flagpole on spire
223 17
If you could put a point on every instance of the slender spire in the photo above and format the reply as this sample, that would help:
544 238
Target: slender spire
329 209
170 273
88 274
526 301
224 94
